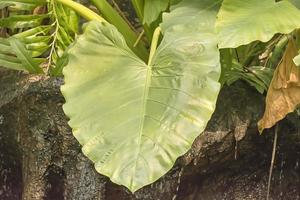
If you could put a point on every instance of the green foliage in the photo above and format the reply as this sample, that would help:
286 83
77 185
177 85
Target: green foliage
153 112
65 22
241 64
27 5
35 44
19 48
17 52
241 22
256 76
152 10
22 21
22 60
149 13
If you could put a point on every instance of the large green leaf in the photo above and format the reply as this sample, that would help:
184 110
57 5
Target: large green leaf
241 22
134 120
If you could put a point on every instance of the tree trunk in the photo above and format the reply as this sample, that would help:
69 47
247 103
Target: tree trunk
40 159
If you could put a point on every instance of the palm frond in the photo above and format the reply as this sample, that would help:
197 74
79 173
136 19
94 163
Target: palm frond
41 30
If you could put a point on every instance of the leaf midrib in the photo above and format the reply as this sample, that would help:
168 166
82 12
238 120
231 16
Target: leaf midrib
143 113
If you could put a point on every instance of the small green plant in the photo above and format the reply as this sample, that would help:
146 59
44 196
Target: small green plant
136 101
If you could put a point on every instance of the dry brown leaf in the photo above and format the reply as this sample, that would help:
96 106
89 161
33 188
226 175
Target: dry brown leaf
40 10
284 92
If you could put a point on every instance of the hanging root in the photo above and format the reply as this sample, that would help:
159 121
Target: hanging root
272 161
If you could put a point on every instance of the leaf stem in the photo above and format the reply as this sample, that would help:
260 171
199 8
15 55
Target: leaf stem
118 9
154 43
138 6
139 38
113 17
82 10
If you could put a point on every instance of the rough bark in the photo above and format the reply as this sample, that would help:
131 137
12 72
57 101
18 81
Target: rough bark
40 159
